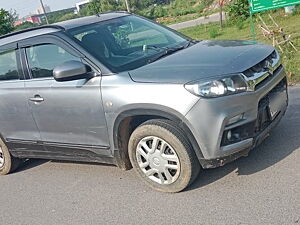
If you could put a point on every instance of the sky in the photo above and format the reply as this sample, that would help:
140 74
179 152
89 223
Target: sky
24 7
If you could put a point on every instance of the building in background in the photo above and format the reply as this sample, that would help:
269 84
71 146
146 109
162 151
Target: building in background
40 10
35 17
38 17
81 5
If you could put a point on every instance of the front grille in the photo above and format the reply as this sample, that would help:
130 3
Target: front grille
268 78
258 75
263 65
264 117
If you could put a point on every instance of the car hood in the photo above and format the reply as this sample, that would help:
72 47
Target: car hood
203 60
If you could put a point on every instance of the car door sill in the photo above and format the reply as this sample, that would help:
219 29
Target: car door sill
74 158
52 150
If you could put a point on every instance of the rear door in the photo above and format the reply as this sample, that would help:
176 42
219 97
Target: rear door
69 115
17 125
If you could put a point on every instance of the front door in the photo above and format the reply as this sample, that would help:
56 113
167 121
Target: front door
69 115
17 126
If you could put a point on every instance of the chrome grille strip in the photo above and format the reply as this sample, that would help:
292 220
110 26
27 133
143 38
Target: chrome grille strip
259 77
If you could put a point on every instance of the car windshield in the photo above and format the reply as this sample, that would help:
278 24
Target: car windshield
128 42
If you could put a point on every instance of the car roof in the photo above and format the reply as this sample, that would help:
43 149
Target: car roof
65 25
70 24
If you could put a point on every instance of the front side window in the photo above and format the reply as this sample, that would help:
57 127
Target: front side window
8 66
42 59
126 42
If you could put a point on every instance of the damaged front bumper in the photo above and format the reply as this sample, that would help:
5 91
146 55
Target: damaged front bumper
220 140
245 148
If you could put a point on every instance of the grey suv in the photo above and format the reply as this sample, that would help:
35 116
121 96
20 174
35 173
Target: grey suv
120 89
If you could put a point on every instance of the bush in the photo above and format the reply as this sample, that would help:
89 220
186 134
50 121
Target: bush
25 25
6 21
239 10
214 32
168 8
239 24
154 12
68 16
99 6
207 3
296 11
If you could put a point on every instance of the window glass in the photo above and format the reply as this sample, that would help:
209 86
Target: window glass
135 34
127 42
8 66
43 59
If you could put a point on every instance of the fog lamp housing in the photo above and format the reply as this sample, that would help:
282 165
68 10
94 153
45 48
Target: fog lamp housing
235 119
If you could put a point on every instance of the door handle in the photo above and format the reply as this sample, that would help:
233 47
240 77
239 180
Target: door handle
37 99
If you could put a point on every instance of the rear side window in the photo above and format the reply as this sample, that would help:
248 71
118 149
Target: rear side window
8 66
43 59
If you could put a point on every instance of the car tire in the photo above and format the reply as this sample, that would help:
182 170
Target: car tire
162 156
8 163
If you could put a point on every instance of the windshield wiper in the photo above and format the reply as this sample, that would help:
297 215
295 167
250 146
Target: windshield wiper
190 42
168 51
153 47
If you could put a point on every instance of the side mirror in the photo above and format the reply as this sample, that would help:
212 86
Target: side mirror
72 70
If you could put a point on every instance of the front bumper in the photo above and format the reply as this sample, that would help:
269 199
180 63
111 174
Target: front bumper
209 120
213 163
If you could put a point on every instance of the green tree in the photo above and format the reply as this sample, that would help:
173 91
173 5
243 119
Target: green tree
238 10
7 20
25 25
99 6
67 16
137 4
147 3
94 7
60 15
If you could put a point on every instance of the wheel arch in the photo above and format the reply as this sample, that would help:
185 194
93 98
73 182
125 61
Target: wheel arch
129 119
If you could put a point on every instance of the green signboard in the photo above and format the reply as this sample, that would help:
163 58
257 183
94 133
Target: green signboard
262 5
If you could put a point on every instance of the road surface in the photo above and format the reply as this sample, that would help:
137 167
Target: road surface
201 20
263 188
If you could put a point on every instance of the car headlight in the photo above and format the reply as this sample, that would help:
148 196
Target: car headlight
216 88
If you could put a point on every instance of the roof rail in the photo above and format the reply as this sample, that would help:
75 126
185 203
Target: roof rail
125 12
31 29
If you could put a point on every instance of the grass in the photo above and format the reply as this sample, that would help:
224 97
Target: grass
177 19
168 20
241 31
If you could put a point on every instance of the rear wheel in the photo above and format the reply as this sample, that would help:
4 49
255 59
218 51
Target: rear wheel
8 163
162 156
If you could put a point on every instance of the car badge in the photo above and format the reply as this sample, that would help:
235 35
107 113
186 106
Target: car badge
268 67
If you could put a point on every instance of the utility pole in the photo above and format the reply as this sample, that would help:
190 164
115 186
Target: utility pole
44 11
127 5
221 4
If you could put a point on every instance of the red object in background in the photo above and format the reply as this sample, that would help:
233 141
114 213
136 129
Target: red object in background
18 22
31 19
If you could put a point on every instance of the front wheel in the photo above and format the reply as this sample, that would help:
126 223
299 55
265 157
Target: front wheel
162 156
8 163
